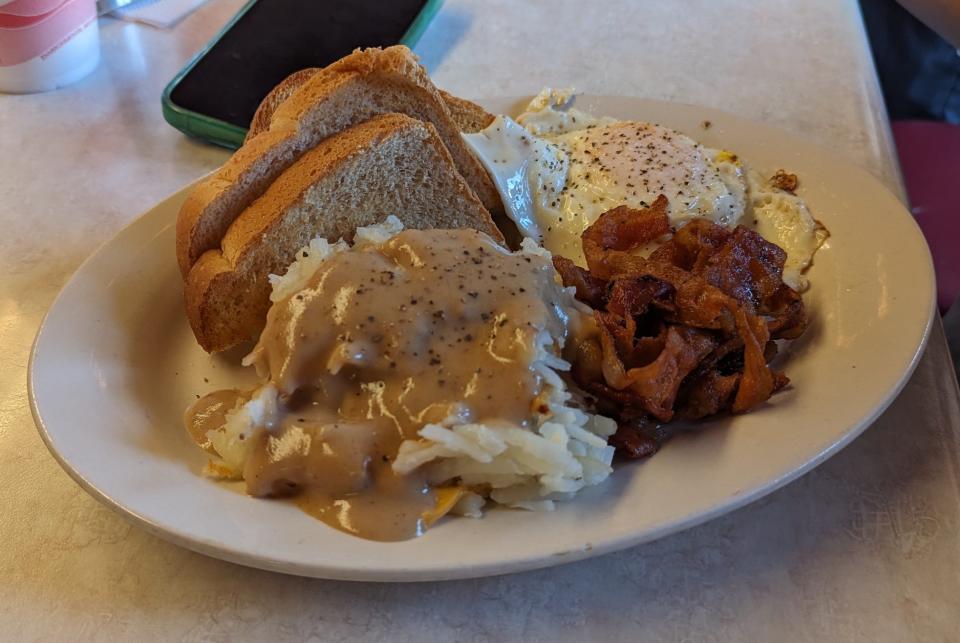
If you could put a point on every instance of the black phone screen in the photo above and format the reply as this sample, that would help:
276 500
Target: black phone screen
275 38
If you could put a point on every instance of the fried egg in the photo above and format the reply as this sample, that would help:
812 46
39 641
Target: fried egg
558 169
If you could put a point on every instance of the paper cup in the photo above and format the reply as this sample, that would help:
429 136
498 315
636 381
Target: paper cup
46 44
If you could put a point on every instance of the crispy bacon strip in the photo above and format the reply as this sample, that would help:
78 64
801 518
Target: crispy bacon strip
784 181
631 295
607 240
787 317
746 266
684 333
657 383
756 385
590 290
696 302
708 394
691 245
632 442
624 228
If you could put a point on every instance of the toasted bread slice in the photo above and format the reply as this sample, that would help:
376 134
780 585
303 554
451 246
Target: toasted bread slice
280 93
351 90
469 117
390 164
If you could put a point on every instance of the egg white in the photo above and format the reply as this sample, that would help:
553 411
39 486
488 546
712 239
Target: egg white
558 169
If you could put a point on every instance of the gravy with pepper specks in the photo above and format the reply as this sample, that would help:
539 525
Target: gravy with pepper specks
383 340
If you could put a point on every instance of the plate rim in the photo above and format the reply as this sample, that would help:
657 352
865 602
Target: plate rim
225 551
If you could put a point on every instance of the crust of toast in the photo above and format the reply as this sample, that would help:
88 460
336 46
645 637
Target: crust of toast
280 93
351 90
468 116
389 164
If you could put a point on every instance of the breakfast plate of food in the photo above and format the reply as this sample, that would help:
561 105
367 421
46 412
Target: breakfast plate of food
403 336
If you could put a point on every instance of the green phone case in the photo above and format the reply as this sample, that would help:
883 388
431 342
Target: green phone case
222 133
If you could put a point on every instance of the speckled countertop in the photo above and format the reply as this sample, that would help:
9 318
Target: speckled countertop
864 548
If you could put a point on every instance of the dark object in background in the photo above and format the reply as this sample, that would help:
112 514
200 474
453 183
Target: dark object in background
930 162
919 71
920 76
217 93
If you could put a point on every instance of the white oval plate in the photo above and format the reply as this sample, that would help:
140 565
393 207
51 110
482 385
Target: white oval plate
115 364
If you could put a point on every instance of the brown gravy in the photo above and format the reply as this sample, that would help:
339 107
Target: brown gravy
381 342
209 413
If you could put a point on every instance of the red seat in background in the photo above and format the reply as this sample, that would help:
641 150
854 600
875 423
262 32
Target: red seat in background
930 159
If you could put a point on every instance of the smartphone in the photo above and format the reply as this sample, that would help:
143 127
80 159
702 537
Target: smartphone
215 96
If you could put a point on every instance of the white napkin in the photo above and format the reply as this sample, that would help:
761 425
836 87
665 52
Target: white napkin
162 14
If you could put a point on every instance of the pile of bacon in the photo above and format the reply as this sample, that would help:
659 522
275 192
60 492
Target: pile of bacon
685 332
